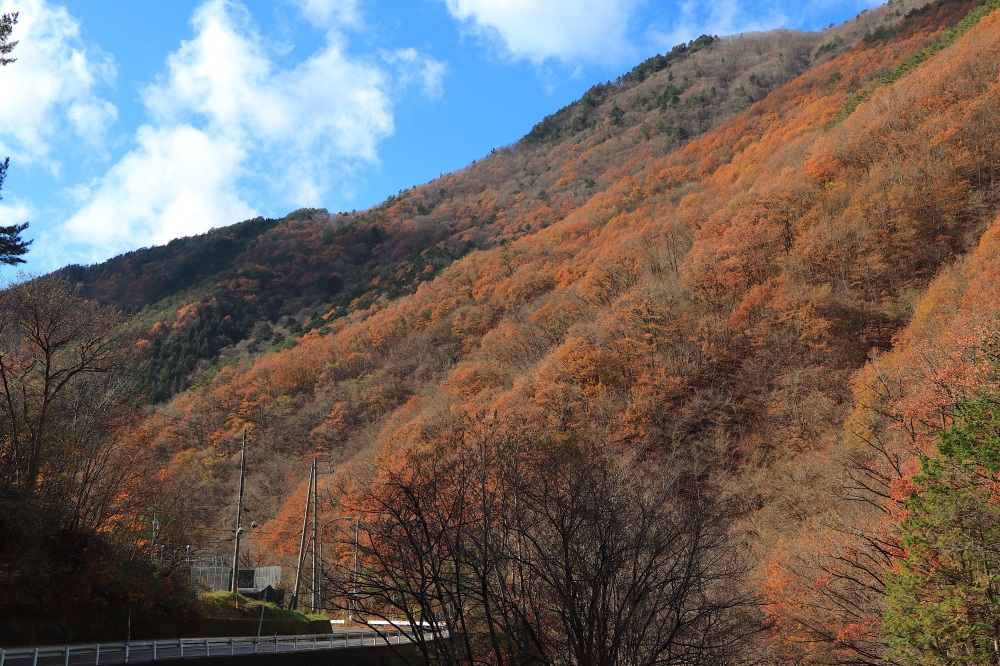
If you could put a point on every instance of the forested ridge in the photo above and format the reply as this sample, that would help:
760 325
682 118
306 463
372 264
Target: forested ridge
735 309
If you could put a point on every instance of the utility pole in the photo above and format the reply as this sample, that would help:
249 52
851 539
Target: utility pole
312 502
354 586
302 545
152 539
239 521
315 580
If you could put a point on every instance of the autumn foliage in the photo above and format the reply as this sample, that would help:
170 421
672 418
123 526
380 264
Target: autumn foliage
790 298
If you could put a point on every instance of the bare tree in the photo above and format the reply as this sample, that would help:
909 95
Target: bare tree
513 550
636 568
74 462
413 526
63 360
107 463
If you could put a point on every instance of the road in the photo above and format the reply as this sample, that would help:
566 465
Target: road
193 648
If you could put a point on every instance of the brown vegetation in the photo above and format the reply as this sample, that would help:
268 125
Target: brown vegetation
777 310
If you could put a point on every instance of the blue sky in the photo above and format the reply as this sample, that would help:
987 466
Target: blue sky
131 122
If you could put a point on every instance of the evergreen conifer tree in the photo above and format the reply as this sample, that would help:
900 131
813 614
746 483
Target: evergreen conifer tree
11 244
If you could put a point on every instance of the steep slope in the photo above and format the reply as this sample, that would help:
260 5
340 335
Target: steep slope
261 281
711 304
827 582
713 300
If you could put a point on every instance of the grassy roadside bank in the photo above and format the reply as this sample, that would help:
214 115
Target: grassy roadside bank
214 614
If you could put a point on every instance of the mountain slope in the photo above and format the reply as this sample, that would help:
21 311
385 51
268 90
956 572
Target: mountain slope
712 304
311 266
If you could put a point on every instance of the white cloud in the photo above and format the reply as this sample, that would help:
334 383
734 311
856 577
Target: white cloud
91 120
234 126
52 86
565 30
230 129
225 79
14 211
324 13
414 67
178 181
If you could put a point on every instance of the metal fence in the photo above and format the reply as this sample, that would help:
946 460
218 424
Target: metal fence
193 648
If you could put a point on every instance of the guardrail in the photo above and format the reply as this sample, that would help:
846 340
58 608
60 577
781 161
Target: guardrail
96 654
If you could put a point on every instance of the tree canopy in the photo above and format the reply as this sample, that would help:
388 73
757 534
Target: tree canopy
7 22
943 605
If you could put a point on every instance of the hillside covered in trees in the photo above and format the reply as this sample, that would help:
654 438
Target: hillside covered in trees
716 345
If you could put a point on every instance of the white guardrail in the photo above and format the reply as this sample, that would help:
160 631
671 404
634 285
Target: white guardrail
96 654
